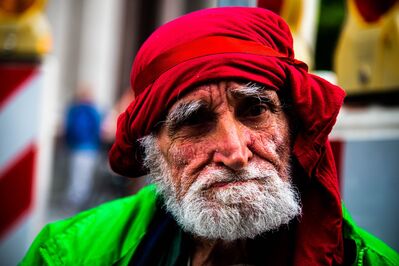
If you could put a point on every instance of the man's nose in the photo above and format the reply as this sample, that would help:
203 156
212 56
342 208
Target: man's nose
232 142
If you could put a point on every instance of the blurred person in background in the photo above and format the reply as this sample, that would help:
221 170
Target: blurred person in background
233 132
108 127
113 183
82 135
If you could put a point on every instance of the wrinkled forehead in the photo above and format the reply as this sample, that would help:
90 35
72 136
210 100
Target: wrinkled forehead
230 91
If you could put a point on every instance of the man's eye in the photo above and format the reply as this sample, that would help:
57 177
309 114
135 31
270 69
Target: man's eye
255 110
253 107
195 119
198 121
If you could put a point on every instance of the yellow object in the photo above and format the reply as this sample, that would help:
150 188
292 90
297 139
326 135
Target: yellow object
300 15
293 13
367 55
24 29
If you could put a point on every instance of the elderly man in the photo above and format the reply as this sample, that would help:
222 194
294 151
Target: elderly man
233 132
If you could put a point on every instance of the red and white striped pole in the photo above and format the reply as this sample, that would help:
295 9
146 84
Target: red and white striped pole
19 99
24 39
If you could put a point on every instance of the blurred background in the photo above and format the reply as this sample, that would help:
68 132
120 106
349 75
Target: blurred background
64 79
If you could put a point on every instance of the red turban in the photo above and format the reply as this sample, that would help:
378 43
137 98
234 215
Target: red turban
249 44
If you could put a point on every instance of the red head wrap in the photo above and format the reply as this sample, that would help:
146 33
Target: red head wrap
249 44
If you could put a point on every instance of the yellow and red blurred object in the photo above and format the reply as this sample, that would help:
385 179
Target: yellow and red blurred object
24 30
293 12
367 55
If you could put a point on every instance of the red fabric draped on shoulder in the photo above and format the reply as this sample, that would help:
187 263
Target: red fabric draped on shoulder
249 44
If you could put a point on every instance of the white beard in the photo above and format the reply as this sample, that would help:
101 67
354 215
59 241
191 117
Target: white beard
259 203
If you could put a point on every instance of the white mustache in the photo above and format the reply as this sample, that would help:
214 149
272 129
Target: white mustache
224 175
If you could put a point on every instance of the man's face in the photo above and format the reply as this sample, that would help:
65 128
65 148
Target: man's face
224 125
224 155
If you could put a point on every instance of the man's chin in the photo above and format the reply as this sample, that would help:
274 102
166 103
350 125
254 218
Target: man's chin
230 184
235 210
235 193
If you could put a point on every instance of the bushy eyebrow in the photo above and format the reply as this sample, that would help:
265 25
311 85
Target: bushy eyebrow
250 89
182 113
255 91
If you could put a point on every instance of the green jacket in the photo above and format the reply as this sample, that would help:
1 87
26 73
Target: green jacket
110 234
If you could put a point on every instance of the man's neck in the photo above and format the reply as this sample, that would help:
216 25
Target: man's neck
219 252
269 249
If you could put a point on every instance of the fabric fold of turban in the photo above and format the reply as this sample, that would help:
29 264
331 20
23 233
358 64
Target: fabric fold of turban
248 44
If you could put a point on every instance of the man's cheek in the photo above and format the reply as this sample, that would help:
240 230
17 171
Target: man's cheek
179 155
183 159
189 152
265 143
